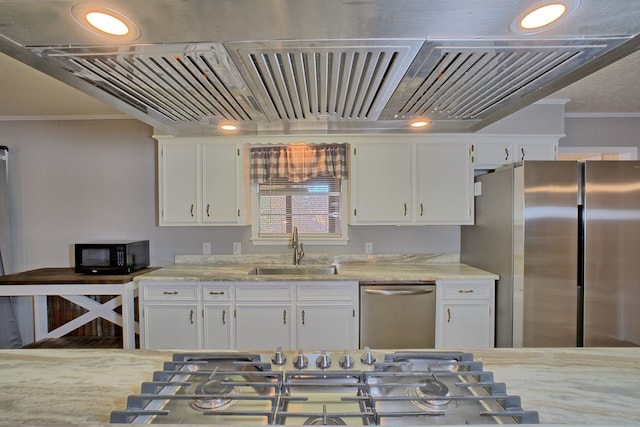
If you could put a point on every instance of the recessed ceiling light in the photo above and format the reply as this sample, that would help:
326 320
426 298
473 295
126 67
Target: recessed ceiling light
543 15
419 124
105 22
108 23
229 127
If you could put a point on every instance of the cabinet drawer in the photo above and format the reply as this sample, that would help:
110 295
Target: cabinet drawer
464 290
263 292
325 292
216 292
170 292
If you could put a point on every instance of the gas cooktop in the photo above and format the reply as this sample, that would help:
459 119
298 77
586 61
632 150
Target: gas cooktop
362 387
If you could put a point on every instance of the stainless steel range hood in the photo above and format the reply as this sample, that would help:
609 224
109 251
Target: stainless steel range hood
313 67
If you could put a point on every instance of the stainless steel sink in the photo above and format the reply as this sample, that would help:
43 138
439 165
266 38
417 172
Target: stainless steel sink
295 271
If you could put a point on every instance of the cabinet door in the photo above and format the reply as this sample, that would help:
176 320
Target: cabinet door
179 183
491 155
170 326
220 184
538 151
264 327
466 325
326 326
217 326
444 184
381 184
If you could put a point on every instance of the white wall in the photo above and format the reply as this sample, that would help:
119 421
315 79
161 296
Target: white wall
73 181
589 131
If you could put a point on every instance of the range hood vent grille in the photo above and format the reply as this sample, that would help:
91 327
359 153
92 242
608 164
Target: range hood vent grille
351 80
355 84
178 84
470 81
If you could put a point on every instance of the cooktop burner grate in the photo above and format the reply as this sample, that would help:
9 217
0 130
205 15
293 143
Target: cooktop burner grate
401 388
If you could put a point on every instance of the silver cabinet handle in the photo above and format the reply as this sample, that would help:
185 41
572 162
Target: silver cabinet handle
303 317
465 291
522 153
405 209
224 313
192 210
506 153
191 317
170 292
208 206
284 316
421 209
386 292
216 293
448 315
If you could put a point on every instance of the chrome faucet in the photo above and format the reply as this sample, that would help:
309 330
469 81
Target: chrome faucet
298 249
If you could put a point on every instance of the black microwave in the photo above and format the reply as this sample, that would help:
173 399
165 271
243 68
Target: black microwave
112 257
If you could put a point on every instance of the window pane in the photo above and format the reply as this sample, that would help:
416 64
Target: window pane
312 206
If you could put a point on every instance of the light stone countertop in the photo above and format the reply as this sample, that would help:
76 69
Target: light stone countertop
579 386
383 268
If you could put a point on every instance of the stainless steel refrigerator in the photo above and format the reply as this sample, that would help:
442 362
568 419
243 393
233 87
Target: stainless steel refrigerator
9 334
564 237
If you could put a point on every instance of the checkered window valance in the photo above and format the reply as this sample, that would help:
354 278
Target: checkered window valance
298 162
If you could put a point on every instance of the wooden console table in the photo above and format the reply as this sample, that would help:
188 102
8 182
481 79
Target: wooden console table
68 284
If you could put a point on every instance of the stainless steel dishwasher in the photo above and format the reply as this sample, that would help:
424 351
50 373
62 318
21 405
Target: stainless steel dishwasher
397 315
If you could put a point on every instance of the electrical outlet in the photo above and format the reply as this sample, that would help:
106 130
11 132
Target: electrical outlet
206 248
368 248
237 248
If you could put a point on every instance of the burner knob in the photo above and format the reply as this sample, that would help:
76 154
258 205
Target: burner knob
367 358
279 358
346 361
301 361
323 361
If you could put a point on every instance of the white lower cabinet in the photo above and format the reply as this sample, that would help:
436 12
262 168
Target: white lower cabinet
264 315
216 315
465 314
327 316
249 315
169 316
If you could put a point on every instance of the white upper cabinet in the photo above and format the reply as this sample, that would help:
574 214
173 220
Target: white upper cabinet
412 183
444 183
200 183
179 183
501 150
221 184
381 183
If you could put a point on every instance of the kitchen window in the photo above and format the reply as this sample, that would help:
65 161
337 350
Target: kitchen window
299 185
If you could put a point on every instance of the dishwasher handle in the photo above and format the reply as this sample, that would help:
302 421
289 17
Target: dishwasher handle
389 292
